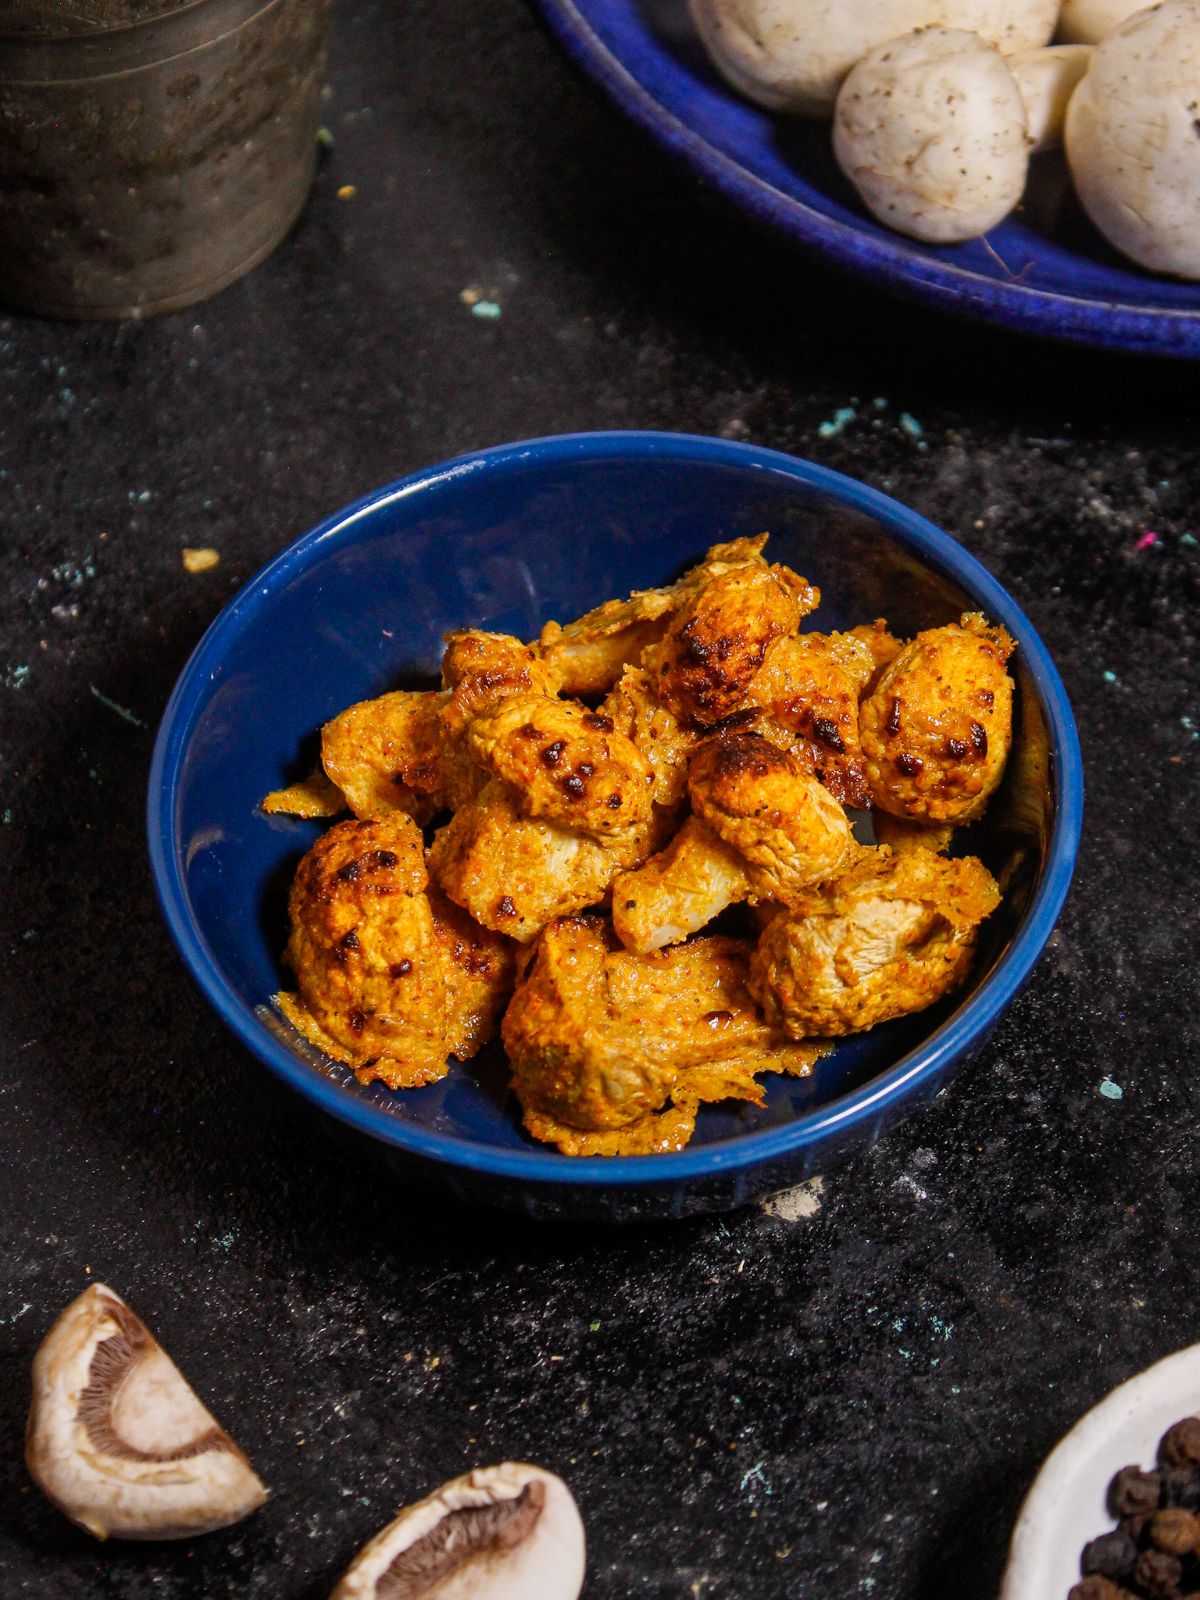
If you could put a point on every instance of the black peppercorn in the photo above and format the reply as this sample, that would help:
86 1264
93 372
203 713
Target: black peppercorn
1110 1556
1099 1589
1136 1526
1180 1487
1176 1531
1157 1574
1133 1490
1180 1445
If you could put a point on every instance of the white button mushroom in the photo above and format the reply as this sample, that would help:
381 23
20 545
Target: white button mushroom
511 1532
1089 21
791 55
931 131
118 1441
1047 79
1133 138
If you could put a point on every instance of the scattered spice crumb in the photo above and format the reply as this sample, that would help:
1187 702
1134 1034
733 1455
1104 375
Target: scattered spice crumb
838 423
1147 540
593 1327
325 139
201 560
347 191
488 309
1111 1090
121 711
471 295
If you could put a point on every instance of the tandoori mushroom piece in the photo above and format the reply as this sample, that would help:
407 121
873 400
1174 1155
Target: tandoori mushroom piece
589 654
118 1440
513 873
937 728
390 754
704 668
569 765
391 981
890 936
762 829
511 1532
809 688
605 1042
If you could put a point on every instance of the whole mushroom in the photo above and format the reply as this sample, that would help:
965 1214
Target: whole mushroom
511 1532
1047 78
931 131
116 1437
792 55
1131 138
1089 21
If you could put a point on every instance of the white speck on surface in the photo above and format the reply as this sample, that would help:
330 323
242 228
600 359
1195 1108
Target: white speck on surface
1110 1090
791 1205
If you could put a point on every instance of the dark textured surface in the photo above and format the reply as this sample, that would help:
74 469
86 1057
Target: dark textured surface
848 1404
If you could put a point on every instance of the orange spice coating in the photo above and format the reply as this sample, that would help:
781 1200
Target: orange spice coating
937 728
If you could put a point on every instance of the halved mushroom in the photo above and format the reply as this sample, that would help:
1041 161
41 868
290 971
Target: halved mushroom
511 1532
116 1438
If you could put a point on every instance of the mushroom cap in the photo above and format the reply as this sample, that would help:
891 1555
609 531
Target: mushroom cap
1089 21
1047 78
931 131
1131 138
118 1441
792 55
787 828
511 1532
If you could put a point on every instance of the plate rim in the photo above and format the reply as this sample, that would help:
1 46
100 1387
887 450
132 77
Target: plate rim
948 1043
1112 324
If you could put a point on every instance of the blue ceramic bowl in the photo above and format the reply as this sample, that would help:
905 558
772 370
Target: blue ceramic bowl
1045 269
505 540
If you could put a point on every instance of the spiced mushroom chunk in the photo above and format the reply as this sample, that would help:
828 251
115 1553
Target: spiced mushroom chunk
118 1441
511 1532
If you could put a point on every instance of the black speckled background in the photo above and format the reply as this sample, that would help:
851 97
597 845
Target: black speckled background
849 1403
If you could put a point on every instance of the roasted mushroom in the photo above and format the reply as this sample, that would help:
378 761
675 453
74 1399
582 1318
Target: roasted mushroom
118 1441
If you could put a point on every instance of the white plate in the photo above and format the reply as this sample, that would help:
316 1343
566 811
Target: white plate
1066 1506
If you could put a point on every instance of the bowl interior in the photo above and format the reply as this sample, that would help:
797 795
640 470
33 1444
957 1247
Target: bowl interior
506 541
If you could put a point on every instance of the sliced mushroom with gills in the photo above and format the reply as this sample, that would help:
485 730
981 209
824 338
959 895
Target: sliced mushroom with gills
511 1532
118 1441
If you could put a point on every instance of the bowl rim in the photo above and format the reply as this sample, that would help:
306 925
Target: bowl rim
538 1165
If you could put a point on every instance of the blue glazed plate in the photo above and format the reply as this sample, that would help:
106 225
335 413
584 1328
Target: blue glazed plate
507 539
1044 270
